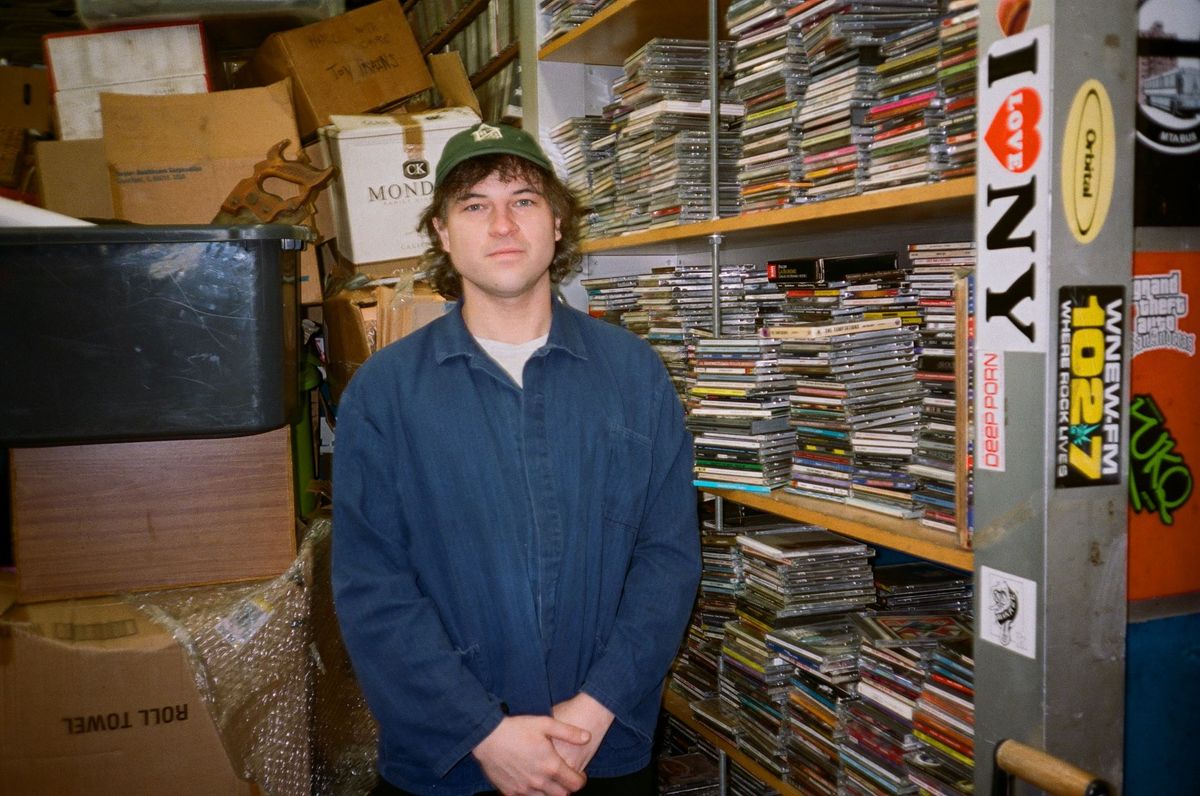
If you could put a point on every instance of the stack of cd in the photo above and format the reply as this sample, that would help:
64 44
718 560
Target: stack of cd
765 295
722 718
832 135
673 302
564 15
693 774
741 307
738 412
754 682
939 269
842 39
679 178
602 212
694 670
679 739
663 94
956 75
721 580
799 572
824 288
882 294
824 647
921 587
770 74
610 297
944 724
575 139
808 299
878 727
852 378
743 783
825 656
882 451
908 140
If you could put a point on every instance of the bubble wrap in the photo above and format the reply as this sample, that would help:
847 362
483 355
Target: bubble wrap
269 661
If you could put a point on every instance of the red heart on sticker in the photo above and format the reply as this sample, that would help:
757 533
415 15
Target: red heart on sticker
1013 136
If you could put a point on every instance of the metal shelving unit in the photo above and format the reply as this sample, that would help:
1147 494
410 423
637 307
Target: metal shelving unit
1066 544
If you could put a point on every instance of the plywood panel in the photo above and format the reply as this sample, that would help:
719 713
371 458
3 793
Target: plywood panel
100 519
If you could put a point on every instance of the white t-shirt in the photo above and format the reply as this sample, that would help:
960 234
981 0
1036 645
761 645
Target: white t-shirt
512 356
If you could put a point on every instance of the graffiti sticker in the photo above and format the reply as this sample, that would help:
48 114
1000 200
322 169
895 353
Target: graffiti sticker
1160 481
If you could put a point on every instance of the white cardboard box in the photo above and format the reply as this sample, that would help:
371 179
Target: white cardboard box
154 59
385 178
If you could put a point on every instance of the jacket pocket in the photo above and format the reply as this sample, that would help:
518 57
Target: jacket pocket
626 477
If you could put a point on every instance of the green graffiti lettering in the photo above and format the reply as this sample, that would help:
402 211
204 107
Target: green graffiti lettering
1160 481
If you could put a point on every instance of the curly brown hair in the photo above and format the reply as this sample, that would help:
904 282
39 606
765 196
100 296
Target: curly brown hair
440 271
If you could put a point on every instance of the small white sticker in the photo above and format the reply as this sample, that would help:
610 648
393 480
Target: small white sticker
246 619
1008 611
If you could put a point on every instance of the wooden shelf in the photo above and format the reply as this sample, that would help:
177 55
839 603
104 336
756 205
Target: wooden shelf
502 59
907 536
463 18
620 29
906 204
678 706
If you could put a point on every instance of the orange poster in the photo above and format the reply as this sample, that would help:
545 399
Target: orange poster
1164 428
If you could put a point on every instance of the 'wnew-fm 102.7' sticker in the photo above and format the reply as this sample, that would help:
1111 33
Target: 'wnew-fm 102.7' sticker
1091 360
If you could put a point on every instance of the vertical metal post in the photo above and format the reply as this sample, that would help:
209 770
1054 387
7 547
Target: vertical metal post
714 133
1053 218
714 243
714 105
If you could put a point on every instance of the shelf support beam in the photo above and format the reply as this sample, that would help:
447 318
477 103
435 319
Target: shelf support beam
1053 218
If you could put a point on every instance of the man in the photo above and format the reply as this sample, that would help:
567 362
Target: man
515 537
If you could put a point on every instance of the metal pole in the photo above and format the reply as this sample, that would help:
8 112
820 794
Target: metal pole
714 127
714 107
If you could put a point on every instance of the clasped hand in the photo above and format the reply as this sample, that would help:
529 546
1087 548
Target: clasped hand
544 755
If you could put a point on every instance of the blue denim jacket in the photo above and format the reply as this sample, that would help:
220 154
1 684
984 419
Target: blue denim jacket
498 550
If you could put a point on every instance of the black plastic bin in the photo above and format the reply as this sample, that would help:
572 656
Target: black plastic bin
120 333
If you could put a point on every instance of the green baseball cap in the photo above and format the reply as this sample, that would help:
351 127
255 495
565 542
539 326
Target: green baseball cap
489 139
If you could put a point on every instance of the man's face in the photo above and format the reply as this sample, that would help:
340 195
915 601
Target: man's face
500 237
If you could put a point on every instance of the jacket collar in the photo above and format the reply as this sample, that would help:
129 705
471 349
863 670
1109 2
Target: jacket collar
565 333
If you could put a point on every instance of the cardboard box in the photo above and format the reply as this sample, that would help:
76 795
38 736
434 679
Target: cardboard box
360 322
150 59
106 518
174 159
385 178
72 178
14 157
25 98
97 699
366 59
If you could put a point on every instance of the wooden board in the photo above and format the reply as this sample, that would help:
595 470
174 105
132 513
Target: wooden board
102 519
